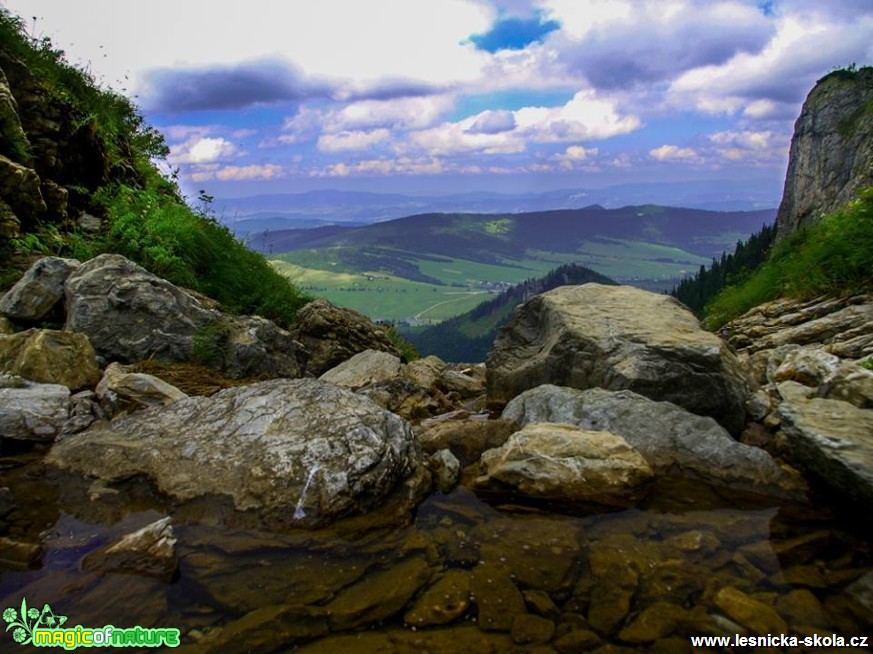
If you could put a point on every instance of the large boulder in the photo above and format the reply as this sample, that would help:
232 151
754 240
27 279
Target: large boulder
120 389
367 367
39 289
49 356
672 440
563 462
618 337
332 335
32 412
295 452
833 440
131 315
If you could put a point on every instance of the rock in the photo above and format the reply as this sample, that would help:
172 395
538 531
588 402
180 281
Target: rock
759 405
497 599
149 551
860 593
6 327
655 622
671 440
528 628
56 198
84 410
831 149
131 315
467 438
563 462
853 383
807 366
578 640
378 596
468 382
403 397
39 289
7 502
748 612
801 607
10 226
331 335
15 144
425 372
19 553
445 601
297 452
540 603
89 223
120 389
19 188
841 326
33 412
832 440
367 367
48 356
792 391
445 469
618 337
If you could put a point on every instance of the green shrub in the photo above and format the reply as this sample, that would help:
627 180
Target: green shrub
833 256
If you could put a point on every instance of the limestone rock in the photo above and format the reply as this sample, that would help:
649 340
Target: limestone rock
367 367
19 188
833 440
298 452
755 616
852 383
671 440
6 327
38 290
445 601
445 469
405 398
528 628
840 326
425 372
10 226
467 438
466 381
252 346
120 389
618 337
807 366
131 315
559 461
497 599
15 144
331 335
49 356
150 551
831 151
33 412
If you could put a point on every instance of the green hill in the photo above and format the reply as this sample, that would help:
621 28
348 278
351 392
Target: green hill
468 337
69 147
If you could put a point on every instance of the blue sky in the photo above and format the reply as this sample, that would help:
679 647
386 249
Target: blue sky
422 96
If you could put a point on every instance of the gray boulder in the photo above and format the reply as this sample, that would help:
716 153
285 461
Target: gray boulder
618 337
833 440
563 462
367 367
295 452
672 440
39 289
119 389
30 411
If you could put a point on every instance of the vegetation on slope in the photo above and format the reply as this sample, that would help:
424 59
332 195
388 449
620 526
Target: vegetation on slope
833 256
468 337
145 217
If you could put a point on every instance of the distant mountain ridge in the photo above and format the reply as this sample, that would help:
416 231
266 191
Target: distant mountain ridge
247 215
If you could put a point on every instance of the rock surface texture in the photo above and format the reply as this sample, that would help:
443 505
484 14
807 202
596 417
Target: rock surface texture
49 356
30 411
831 153
299 452
617 337
672 440
39 290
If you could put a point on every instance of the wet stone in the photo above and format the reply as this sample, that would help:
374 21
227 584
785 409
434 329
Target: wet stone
755 616
539 603
656 621
531 629
445 601
580 640
497 599
801 607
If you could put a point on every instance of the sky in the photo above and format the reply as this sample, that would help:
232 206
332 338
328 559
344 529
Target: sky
440 96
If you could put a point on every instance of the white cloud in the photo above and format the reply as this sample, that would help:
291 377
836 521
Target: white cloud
352 140
402 113
672 153
201 150
237 173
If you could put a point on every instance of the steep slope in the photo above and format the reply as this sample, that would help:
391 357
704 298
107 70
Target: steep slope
831 154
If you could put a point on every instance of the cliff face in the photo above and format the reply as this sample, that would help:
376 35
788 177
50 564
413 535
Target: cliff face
831 151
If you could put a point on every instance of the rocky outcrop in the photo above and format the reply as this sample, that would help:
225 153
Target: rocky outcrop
831 153
39 290
49 356
150 551
364 368
840 326
332 335
563 462
131 315
617 337
672 440
30 411
296 452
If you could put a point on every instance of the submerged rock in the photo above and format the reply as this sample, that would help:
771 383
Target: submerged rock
618 337
149 551
297 452
671 439
560 461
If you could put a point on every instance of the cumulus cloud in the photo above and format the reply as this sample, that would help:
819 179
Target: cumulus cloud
202 150
493 122
672 152
358 140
